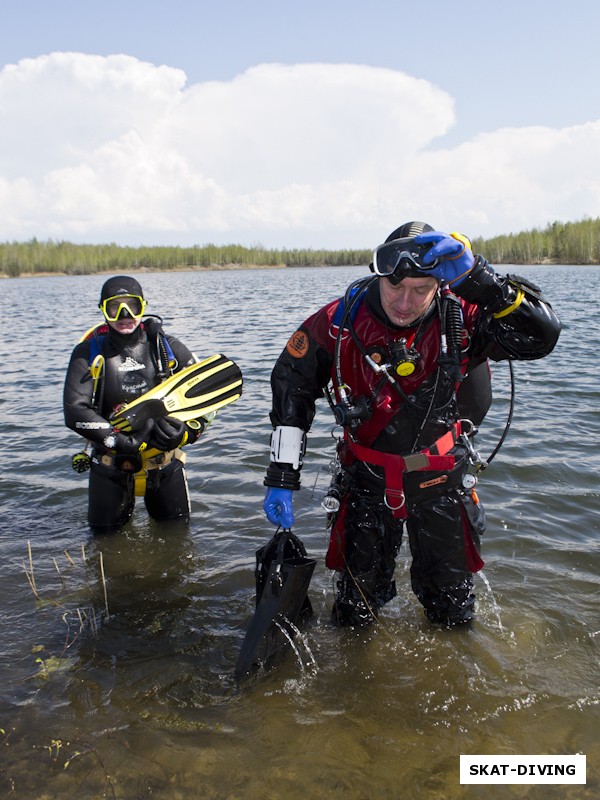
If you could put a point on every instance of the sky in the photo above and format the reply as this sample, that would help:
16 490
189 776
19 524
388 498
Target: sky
301 124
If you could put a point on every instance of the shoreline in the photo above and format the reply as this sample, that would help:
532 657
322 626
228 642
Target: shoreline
145 270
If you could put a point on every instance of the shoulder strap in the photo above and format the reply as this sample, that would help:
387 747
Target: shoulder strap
340 312
96 346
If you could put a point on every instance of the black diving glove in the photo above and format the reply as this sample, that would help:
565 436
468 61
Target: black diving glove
134 443
168 433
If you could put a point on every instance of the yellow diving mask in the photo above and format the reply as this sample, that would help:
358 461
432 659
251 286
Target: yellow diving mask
123 306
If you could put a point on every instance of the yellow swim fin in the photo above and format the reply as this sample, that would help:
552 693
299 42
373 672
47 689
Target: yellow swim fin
191 393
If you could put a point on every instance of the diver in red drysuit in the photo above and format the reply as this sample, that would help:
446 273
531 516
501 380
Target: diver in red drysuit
406 351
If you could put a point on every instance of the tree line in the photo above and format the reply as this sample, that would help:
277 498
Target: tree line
557 243
35 257
560 243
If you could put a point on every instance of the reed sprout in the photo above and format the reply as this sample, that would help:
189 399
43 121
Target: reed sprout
80 618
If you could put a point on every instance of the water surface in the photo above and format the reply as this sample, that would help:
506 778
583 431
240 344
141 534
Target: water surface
144 704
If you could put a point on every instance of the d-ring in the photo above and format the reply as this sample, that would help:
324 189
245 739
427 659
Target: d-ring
471 430
394 508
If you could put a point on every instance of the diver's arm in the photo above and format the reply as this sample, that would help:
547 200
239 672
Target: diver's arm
171 433
80 414
515 321
298 379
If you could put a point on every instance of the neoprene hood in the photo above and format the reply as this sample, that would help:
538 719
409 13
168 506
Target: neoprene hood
119 286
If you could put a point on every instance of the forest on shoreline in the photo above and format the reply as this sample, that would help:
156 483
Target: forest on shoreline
558 243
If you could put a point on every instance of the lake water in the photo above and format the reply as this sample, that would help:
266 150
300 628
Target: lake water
145 705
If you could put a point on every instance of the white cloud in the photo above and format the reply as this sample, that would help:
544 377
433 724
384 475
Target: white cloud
114 149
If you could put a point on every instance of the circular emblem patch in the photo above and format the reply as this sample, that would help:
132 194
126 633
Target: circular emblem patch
298 344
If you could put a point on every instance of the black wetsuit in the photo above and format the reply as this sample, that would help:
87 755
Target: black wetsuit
418 415
131 367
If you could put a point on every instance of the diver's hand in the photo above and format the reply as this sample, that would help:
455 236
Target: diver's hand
278 506
168 433
134 443
454 253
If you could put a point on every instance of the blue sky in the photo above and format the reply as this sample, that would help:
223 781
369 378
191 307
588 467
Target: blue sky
295 124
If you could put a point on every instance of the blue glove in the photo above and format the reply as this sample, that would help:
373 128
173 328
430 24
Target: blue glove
454 253
278 506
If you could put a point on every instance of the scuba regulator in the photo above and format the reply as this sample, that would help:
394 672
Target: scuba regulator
404 357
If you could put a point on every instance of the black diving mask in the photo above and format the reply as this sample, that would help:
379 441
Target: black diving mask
402 258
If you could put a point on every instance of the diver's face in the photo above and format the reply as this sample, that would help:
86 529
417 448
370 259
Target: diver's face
408 300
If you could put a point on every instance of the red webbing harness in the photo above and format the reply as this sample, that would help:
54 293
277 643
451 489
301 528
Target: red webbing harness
434 458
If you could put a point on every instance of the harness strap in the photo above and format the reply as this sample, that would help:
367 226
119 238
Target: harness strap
445 443
394 466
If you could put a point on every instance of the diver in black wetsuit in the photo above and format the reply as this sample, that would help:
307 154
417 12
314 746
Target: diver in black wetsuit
114 364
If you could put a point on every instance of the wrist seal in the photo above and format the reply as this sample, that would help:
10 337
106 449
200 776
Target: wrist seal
282 476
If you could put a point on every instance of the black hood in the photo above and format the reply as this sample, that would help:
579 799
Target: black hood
120 285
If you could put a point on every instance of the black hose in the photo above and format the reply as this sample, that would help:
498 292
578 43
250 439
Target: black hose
509 417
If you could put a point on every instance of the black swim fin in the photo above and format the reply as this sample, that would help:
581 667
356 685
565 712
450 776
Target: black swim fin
283 573
189 394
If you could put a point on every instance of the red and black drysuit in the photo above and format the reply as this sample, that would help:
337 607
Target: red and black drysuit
132 366
385 479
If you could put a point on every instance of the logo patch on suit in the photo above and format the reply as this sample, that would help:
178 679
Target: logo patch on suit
297 346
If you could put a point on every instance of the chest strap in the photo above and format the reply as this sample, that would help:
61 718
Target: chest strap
434 458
